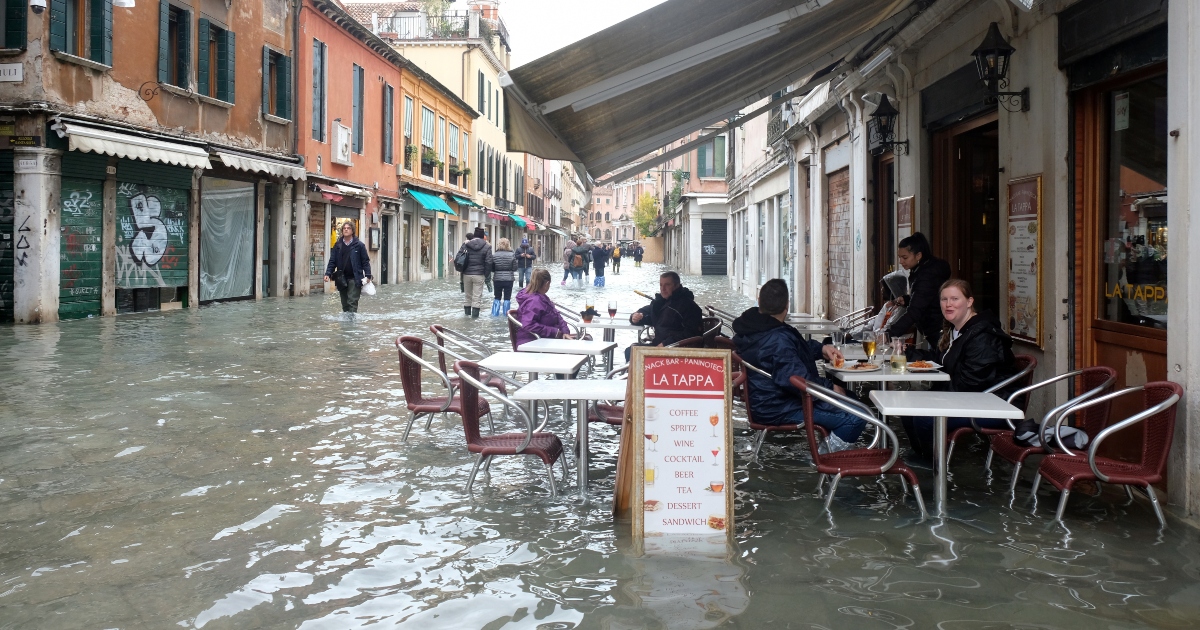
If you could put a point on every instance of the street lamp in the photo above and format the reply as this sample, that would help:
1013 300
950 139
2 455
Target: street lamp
991 63
884 129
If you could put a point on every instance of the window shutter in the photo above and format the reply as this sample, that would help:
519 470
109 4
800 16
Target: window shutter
185 47
101 31
203 33
230 67
266 81
481 97
58 24
164 52
719 156
14 23
355 106
283 87
701 160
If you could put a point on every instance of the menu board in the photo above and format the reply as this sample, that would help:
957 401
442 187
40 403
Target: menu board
1024 259
685 452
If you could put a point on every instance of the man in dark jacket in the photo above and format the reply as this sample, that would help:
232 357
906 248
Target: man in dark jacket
475 274
673 313
525 257
765 341
349 266
926 275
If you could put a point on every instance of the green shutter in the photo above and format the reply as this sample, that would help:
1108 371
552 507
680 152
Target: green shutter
284 86
701 160
203 33
185 47
226 67
719 156
101 31
164 42
266 81
14 23
58 25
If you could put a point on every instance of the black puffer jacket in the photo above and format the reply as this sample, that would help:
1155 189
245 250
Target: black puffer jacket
673 320
585 256
503 264
923 302
479 257
979 358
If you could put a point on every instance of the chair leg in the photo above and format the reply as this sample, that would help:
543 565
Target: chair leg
821 485
1157 508
758 442
987 463
903 484
950 453
475 470
1037 481
1129 493
1012 484
920 500
1062 505
566 471
491 424
832 488
429 423
550 476
412 417
487 465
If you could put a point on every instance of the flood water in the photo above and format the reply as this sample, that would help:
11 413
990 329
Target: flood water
240 466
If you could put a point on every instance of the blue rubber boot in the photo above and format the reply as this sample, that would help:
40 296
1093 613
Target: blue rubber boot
504 308
495 308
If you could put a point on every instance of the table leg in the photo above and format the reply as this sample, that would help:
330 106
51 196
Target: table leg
582 464
610 334
939 480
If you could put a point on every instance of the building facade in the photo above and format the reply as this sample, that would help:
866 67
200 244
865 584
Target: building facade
696 205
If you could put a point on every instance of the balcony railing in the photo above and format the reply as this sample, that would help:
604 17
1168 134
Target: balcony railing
775 125
449 25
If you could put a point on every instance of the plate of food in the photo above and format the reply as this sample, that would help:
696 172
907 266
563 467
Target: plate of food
854 366
922 366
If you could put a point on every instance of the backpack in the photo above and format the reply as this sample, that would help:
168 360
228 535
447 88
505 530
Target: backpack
461 259
616 253
577 261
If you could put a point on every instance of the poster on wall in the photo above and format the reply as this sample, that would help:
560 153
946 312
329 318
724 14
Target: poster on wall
904 217
683 464
1024 259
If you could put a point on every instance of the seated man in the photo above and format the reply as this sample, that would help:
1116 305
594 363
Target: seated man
766 342
673 313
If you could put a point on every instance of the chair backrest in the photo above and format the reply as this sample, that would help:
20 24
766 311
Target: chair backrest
513 326
747 370
461 342
469 374
411 350
1159 430
1093 419
812 391
711 326
690 342
1025 365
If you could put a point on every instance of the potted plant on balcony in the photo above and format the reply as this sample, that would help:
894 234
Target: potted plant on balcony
429 156
455 171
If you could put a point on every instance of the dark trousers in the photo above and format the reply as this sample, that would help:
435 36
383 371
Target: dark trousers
920 430
617 265
350 295
502 287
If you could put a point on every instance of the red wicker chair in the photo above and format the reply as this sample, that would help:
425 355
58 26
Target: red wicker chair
1093 381
464 345
1025 364
545 446
1064 470
411 362
739 375
857 462
763 429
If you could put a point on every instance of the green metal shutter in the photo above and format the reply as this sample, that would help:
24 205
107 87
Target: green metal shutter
719 156
82 218
84 165
230 67
283 87
14 23
185 47
154 174
356 109
164 53
701 160
7 238
203 34
266 81
58 25
101 19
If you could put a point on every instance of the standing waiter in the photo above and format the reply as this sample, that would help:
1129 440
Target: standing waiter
926 274
350 267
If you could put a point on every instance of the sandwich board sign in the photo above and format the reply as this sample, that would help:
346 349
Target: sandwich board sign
676 472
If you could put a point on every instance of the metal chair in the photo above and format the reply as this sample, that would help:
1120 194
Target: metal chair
604 410
762 429
1025 365
857 462
711 327
513 326
411 363
464 344
690 342
545 446
1093 381
1064 470
735 365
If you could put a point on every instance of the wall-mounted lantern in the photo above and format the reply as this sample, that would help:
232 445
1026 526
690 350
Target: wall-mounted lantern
991 62
883 129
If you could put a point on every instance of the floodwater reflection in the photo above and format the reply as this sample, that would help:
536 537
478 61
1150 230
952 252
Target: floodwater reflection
240 466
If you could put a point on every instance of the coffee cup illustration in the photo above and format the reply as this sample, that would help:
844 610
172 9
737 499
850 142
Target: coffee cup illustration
651 413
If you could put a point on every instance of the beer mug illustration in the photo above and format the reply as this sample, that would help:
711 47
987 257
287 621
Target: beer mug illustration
651 475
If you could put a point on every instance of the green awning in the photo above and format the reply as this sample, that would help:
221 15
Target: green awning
518 220
431 202
464 202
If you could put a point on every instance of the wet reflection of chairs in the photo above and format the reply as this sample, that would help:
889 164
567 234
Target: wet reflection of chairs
545 446
762 429
1157 417
857 462
1025 365
411 363
1093 381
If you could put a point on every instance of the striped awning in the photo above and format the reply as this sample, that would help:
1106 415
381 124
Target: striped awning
520 221
87 139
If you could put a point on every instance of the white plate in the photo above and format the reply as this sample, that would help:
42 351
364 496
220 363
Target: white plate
875 368
935 367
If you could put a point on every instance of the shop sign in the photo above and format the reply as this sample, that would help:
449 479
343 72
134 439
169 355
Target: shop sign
8 142
1121 111
12 72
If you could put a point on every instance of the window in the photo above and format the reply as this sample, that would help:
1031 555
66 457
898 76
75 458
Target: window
12 23
441 147
499 114
466 153
174 45
479 180
607 217
428 134
389 116
710 158
452 141
482 95
319 76
489 101
79 27
215 61
408 133
356 123
277 84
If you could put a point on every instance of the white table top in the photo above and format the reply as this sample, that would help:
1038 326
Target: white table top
811 327
567 346
617 323
581 389
948 404
805 317
889 375
540 362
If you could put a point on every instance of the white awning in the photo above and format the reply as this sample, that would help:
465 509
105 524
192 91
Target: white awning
107 142
260 165
353 191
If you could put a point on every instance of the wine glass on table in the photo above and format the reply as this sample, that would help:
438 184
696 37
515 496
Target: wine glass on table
612 310
868 343
884 344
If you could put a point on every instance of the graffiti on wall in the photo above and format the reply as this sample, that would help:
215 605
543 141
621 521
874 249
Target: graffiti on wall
152 236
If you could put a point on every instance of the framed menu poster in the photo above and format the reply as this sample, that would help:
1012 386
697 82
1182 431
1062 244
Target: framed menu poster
1024 259
681 413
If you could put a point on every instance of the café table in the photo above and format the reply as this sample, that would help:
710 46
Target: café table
886 375
567 346
941 406
580 391
610 328
534 363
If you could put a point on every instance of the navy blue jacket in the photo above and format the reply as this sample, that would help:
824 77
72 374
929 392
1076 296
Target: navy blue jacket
776 347
358 260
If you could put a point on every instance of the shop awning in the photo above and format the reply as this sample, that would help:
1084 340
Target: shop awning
499 216
260 165
520 221
330 193
464 202
88 139
431 202
630 89
560 231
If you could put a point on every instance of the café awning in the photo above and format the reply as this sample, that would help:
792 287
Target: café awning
634 87
268 166
431 202
520 221
463 202
108 141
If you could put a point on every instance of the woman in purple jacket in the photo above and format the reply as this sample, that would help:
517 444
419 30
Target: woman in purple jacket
536 312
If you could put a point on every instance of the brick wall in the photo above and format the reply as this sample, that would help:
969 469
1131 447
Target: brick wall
841 243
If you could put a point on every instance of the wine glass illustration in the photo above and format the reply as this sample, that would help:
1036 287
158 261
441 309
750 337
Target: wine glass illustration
653 437
715 452
713 420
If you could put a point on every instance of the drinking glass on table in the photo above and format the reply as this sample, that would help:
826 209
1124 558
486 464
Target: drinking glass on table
589 310
883 343
612 309
899 361
839 338
868 343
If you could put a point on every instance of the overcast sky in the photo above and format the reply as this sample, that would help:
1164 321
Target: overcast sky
538 27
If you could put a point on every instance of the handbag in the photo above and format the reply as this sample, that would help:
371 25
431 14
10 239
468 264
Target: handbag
460 260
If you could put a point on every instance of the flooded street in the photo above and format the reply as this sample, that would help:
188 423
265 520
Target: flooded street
240 466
